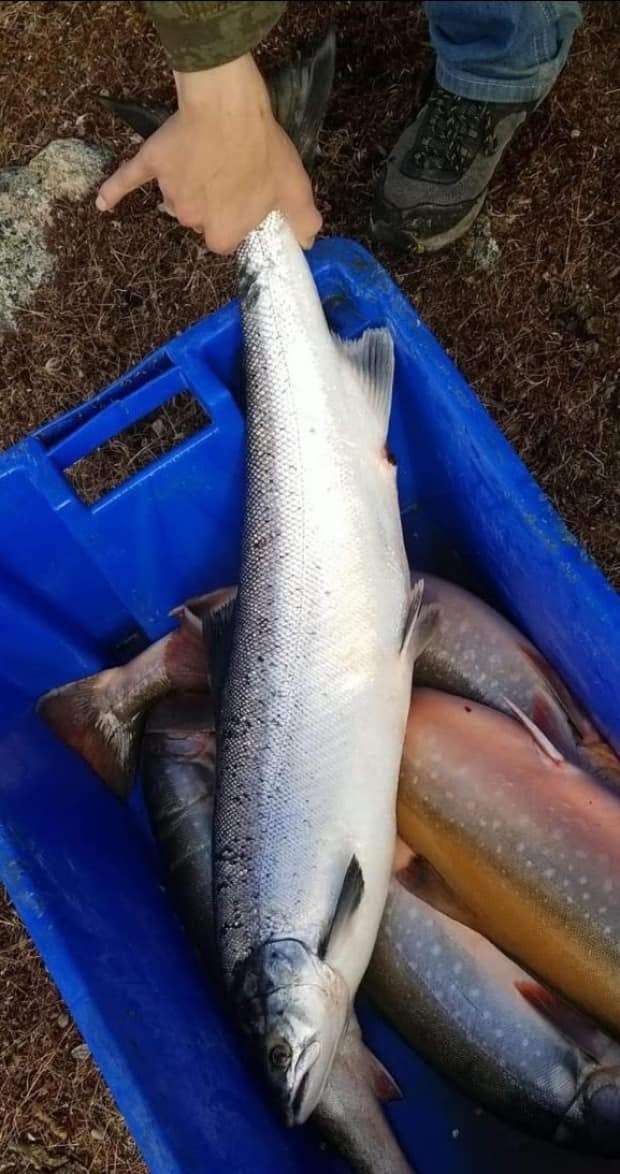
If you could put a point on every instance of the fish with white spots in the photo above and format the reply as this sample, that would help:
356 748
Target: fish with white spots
475 652
487 1026
528 843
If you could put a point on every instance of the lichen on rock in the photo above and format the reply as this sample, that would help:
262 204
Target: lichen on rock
64 169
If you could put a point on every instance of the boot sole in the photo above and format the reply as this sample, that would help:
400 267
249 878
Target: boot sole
385 234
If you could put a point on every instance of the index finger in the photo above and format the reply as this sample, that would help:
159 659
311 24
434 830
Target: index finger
129 176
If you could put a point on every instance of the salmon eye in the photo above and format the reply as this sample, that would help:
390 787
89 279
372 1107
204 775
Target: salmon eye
280 1056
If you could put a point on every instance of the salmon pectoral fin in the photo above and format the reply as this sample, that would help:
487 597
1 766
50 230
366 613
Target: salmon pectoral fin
350 896
419 877
570 1021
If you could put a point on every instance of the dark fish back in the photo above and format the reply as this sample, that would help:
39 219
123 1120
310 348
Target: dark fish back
178 780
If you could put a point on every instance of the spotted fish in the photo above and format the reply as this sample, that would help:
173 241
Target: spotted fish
491 1029
475 652
527 841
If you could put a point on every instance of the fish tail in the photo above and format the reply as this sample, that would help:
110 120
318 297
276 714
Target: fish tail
144 120
80 715
101 716
183 658
299 92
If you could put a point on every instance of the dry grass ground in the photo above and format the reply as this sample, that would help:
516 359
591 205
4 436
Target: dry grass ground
536 334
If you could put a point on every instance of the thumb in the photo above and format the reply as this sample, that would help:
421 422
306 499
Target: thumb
125 179
304 219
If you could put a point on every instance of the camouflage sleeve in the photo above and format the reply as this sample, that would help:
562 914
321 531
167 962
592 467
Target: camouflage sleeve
200 35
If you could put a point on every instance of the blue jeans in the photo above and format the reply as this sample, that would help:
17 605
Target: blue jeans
502 51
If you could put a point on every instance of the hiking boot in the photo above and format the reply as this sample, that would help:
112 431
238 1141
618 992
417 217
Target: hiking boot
435 182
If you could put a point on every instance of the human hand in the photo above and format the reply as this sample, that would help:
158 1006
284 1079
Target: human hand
222 161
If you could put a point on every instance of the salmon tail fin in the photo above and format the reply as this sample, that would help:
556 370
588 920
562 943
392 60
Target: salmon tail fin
542 741
101 717
143 120
571 1022
299 92
79 714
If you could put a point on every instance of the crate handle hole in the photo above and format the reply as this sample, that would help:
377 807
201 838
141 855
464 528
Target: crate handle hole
137 446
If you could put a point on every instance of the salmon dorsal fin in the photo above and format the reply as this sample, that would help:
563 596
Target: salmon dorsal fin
371 358
542 741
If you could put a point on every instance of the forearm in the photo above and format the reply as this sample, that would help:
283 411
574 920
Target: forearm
201 34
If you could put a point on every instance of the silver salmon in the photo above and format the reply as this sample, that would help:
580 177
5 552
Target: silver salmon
527 841
475 652
178 780
490 1028
317 685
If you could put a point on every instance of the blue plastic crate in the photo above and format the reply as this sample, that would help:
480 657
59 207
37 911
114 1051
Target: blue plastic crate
78 583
